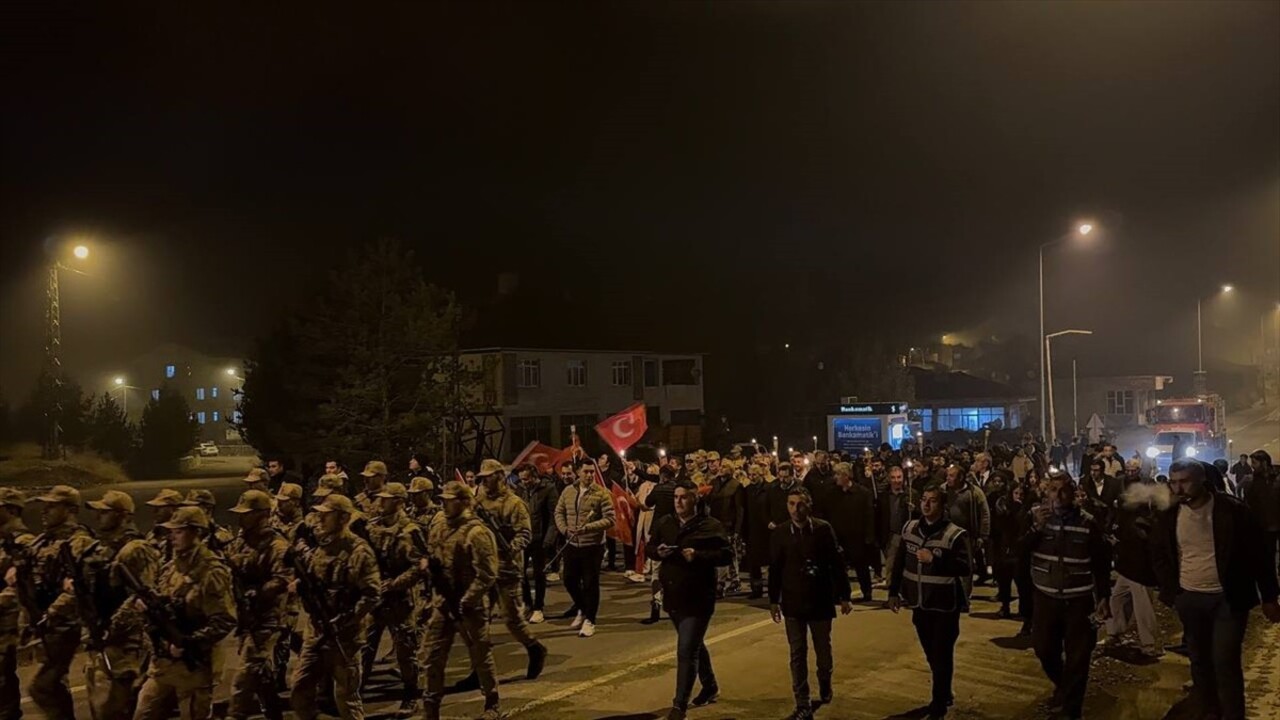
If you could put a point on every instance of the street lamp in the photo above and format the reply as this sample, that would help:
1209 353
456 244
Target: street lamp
81 252
1048 353
1200 337
1081 230
124 389
53 344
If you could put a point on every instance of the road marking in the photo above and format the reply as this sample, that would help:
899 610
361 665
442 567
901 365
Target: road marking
1271 416
666 657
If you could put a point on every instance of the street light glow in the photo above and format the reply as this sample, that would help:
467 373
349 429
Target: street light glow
1227 288
81 251
119 381
1085 228
231 371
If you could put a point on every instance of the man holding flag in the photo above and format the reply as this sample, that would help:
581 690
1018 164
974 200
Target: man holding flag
583 514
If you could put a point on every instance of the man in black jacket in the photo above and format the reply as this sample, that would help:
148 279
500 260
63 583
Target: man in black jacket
691 548
1103 493
807 579
540 496
1262 496
1131 597
853 520
820 482
1205 556
778 492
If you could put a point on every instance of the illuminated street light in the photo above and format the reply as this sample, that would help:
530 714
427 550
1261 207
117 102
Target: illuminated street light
119 381
1083 229
81 252
231 371
1227 288
1200 334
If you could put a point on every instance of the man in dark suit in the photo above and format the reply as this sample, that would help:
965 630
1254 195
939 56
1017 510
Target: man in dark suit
1102 494
1205 552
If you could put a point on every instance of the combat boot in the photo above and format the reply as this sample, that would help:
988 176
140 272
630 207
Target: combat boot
537 659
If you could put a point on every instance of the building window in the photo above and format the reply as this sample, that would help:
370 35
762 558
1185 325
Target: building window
155 395
200 417
170 371
686 417
530 373
1120 402
972 419
524 430
199 393
237 417
215 416
576 375
583 423
622 373
680 372
213 392
651 373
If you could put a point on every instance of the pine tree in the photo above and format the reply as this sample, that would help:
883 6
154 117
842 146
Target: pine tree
166 434
109 432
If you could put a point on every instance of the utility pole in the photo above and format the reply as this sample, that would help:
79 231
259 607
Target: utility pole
53 363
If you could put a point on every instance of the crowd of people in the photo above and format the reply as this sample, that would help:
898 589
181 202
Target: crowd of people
321 568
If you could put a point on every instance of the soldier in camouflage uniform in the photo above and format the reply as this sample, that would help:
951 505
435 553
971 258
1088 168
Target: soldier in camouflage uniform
421 507
463 560
165 503
15 538
375 478
391 536
219 536
197 583
286 521
288 511
508 512
114 675
346 573
257 479
258 569
55 612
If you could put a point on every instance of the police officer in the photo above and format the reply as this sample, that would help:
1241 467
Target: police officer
198 583
927 576
343 568
463 562
511 516
219 536
375 477
1071 572
112 675
55 608
256 557
391 536
15 539
164 504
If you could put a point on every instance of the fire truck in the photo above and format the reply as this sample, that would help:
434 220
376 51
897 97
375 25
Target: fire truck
1187 427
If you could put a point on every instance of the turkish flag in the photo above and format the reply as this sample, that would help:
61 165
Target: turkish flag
624 429
542 457
623 517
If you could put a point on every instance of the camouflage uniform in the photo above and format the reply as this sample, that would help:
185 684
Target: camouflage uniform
158 538
512 517
290 640
261 577
421 488
113 682
61 626
198 583
344 567
13 534
464 551
219 536
392 540
365 501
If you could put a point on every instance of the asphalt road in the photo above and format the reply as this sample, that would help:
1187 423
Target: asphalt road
1257 428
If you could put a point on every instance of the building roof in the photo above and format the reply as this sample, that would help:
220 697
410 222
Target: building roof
959 385
466 351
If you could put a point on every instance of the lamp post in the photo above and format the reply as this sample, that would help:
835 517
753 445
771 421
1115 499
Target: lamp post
124 389
1048 351
53 346
1081 230
1201 386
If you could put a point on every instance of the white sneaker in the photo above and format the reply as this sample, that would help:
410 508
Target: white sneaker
588 629
553 577
537 617
578 622
634 576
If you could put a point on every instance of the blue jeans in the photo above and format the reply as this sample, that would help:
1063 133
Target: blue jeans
1214 635
692 658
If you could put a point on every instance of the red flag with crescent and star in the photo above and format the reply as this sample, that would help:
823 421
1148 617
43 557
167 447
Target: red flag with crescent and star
624 429
542 457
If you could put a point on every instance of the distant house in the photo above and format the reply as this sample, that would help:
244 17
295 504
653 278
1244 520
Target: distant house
207 382
955 400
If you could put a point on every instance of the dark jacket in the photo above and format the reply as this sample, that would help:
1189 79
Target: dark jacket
967 507
689 587
820 485
541 500
807 575
923 585
1133 544
1103 506
725 503
778 513
755 528
853 520
1262 496
1236 538
891 505
1067 554
662 498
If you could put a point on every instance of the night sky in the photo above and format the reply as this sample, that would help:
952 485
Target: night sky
703 176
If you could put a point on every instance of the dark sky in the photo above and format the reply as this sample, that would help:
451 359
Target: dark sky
712 176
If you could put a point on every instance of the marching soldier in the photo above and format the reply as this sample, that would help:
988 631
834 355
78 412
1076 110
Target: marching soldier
196 584
165 503
344 574
54 612
288 511
113 675
219 537
286 521
391 536
257 479
505 510
14 539
256 558
421 505
375 478
463 563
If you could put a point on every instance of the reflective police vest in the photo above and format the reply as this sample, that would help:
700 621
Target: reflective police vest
921 588
1060 562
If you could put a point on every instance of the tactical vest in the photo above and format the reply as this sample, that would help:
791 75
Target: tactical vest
921 588
1060 562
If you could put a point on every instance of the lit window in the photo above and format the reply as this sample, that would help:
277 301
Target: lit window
576 373
200 417
155 394
530 373
215 416
170 371
199 393
213 391
621 373
237 417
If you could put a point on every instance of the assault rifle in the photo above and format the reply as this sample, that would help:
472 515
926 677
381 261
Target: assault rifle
26 589
86 600
438 582
499 532
164 623
312 592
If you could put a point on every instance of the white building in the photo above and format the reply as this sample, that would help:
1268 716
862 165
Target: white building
539 394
